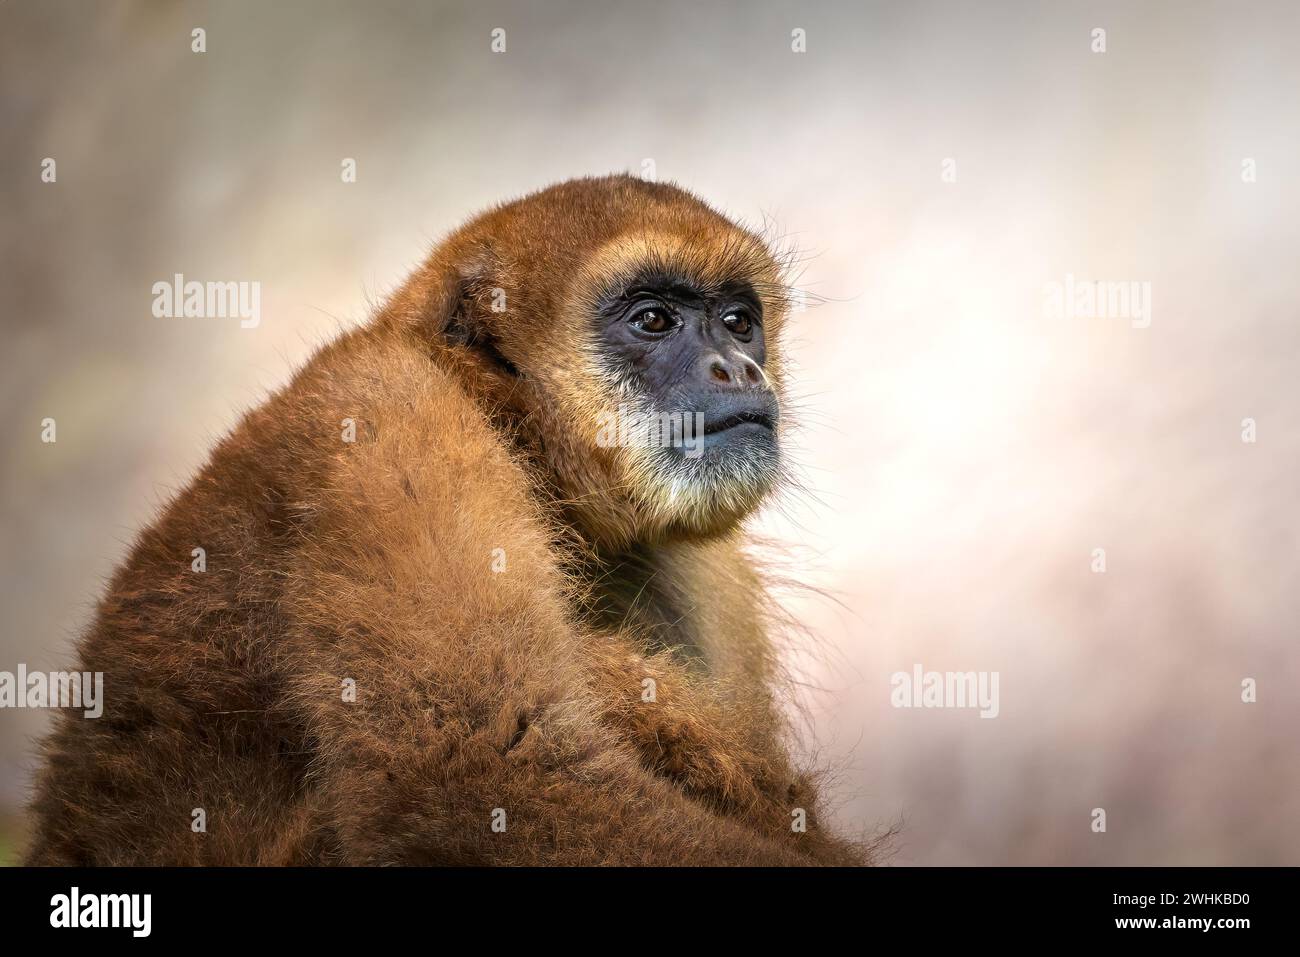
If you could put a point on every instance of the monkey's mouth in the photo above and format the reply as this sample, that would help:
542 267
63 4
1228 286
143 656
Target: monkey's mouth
736 419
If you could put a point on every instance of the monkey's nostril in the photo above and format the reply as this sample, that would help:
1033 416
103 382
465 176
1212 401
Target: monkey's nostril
719 372
752 373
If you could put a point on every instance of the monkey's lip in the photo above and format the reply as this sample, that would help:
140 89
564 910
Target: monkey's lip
736 419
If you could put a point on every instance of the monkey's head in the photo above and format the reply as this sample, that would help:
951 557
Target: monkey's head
627 336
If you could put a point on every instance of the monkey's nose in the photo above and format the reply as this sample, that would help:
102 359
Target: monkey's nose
738 373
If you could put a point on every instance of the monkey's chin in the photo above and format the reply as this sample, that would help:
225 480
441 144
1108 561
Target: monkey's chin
711 487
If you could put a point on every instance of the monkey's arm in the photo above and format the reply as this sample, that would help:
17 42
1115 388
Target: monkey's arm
476 704
717 733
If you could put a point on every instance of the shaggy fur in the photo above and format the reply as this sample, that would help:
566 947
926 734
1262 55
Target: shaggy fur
477 687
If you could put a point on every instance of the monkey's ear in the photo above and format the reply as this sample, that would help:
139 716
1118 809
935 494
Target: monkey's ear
440 297
445 303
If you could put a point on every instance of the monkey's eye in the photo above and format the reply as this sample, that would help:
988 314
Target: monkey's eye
740 324
653 320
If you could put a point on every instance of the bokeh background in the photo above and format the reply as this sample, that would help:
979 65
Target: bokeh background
963 453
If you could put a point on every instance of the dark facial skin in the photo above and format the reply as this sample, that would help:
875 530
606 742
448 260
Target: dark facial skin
694 353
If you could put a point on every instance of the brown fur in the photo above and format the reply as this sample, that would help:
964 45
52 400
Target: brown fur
476 690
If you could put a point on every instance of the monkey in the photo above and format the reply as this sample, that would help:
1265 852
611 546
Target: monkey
442 620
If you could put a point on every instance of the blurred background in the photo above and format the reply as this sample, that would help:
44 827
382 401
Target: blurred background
964 451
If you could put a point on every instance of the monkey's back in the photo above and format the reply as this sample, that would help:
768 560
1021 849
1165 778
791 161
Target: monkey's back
198 756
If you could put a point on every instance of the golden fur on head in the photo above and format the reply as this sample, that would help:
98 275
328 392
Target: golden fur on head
599 235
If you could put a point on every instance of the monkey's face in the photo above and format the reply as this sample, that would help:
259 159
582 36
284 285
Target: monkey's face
677 396
693 414
634 332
